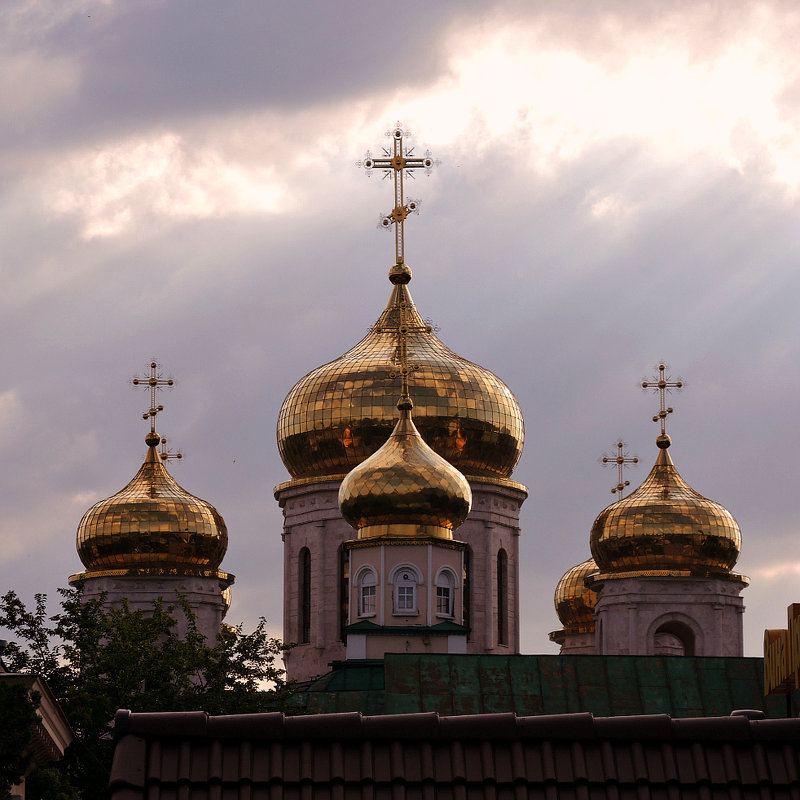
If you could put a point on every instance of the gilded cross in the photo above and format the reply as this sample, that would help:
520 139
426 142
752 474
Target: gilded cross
621 459
153 383
662 384
165 454
398 162
402 341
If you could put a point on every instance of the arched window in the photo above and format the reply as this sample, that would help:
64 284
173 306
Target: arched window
304 584
445 593
673 639
502 597
344 591
466 594
367 584
405 580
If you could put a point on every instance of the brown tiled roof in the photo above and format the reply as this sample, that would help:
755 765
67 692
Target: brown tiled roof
192 756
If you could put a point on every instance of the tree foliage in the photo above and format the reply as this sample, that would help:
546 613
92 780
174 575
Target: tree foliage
97 659
16 730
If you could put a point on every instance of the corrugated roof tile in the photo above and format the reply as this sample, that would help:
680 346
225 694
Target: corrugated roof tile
129 762
488 756
535 769
254 726
230 761
473 768
402 726
684 763
381 759
623 761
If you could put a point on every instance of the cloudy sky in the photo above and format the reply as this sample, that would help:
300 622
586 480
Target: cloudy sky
619 184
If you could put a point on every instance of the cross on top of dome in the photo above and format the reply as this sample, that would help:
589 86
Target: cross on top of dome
620 459
398 162
662 384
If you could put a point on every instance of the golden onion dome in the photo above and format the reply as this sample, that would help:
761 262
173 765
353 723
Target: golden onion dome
665 526
405 488
574 600
342 412
152 526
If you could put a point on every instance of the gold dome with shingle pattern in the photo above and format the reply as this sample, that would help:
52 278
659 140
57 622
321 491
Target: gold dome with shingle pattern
574 600
342 412
405 488
665 527
152 526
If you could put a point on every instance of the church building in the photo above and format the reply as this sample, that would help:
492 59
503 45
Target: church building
401 518
153 539
660 580
404 575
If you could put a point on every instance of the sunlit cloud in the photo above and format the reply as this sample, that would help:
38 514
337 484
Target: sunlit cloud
30 83
84 499
558 98
36 18
784 569
10 409
165 176
608 207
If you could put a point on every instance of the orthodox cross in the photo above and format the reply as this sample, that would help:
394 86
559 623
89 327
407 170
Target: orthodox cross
165 454
621 459
402 341
662 384
399 162
153 383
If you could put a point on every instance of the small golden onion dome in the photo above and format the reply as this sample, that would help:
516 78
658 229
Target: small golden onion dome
405 488
227 599
665 526
574 600
152 526
342 412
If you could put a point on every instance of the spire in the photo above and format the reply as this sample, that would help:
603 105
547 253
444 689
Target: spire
154 383
398 162
338 414
405 488
665 526
663 385
152 525
620 459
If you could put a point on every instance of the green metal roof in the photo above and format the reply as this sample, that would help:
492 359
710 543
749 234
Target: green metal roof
681 686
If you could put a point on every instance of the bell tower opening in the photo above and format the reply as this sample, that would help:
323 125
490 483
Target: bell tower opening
673 639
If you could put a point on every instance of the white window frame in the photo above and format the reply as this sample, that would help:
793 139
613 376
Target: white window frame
366 578
446 579
405 576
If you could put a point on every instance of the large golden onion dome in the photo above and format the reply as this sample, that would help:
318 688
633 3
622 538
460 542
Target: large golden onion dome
405 488
152 526
665 527
574 600
342 412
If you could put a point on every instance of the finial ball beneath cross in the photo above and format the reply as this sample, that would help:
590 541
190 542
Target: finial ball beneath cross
400 274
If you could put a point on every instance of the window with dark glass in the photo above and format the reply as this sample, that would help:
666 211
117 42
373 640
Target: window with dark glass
344 589
466 592
502 597
305 596
445 586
